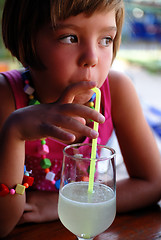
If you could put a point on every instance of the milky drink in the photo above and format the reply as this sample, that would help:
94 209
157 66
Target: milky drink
85 214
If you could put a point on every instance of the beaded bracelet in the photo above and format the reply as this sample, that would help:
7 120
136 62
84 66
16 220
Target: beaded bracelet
19 189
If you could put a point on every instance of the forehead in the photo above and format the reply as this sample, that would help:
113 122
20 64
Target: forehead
98 19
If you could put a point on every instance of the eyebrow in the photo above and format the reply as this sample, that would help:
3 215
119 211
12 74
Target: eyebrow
72 26
110 28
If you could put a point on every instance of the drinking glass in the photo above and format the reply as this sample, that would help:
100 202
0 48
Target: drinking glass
87 213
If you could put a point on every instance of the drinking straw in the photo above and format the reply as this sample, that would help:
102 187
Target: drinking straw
94 142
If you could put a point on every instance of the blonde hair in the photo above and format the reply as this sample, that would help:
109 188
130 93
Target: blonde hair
22 19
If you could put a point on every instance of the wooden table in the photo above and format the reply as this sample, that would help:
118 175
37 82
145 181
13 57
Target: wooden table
139 225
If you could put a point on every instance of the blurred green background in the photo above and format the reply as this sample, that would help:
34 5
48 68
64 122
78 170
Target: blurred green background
7 62
3 53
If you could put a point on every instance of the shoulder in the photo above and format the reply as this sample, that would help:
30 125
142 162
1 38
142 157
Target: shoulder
7 98
5 90
124 99
118 81
121 86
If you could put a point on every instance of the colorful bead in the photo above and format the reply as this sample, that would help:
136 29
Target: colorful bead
57 184
34 102
50 176
26 173
47 170
24 168
44 149
28 89
12 191
26 81
3 190
43 141
20 189
26 185
28 180
31 97
45 163
85 179
93 97
91 104
53 182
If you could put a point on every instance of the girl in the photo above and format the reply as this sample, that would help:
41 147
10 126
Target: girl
67 48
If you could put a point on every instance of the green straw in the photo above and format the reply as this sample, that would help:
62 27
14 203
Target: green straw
94 142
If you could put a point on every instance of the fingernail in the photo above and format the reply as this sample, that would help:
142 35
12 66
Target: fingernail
94 134
101 118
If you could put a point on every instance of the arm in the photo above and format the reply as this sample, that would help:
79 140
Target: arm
138 147
57 120
11 172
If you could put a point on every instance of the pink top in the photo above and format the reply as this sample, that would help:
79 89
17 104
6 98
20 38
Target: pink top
55 154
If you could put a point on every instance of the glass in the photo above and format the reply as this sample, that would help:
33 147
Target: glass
87 214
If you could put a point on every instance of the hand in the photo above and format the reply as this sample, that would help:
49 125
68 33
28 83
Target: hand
40 207
61 120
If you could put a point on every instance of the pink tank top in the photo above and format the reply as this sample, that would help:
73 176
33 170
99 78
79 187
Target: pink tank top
32 159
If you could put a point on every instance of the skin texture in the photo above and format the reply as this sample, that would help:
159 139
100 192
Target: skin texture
78 57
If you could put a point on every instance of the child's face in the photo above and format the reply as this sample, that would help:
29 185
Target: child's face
80 49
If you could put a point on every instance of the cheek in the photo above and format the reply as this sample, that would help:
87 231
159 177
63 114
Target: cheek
61 61
108 56
105 65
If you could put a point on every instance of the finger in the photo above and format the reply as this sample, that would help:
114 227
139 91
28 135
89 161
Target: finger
76 89
81 120
68 124
27 215
30 217
81 111
57 132
28 207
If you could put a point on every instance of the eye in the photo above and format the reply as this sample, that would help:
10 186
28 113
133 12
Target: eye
69 39
106 41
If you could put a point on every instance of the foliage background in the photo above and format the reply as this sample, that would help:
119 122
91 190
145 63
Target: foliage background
3 52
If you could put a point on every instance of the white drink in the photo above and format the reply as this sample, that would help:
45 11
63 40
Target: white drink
86 215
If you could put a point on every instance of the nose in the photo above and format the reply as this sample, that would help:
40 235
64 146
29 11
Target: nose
88 57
